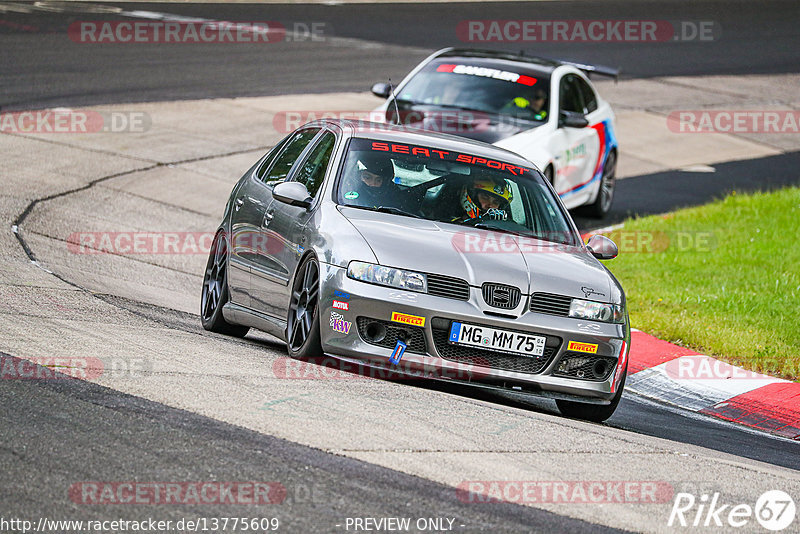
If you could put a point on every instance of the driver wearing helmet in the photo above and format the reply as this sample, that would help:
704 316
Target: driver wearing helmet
373 185
487 199
521 107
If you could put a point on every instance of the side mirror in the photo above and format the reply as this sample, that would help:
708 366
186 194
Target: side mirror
292 193
572 119
382 90
602 247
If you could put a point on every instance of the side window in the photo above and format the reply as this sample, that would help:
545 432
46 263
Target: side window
313 170
293 148
262 169
571 98
517 205
589 98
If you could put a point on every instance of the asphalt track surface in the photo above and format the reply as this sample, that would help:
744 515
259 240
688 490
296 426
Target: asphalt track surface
670 190
56 425
52 431
40 70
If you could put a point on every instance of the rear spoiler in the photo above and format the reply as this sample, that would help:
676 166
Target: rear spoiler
595 69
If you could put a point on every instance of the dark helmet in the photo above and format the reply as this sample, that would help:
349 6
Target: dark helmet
377 164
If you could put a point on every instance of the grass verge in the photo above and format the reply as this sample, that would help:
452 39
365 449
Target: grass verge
723 279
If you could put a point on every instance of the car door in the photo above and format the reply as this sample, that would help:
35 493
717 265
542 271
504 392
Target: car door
287 223
577 146
596 118
249 205
268 274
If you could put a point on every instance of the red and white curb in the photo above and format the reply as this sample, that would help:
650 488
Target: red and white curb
666 372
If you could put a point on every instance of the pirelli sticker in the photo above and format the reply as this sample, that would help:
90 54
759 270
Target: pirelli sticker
577 346
413 320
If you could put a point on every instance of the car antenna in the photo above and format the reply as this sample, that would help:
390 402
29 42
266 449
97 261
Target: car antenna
394 99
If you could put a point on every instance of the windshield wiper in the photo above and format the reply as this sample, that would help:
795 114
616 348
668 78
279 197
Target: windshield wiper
446 106
396 211
484 226
387 209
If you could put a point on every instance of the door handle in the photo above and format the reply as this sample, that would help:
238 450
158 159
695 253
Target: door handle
238 204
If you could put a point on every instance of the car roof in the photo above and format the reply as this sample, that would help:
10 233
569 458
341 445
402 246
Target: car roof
403 134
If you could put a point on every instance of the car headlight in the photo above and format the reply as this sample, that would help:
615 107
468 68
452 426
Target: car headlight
596 311
387 276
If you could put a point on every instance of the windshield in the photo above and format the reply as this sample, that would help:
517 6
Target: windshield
462 86
451 187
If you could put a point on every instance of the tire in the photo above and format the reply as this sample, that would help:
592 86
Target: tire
592 412
215 291
608 181
302 323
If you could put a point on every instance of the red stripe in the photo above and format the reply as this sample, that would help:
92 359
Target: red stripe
526 80
774 408
601 134
648 351
623 355
445 68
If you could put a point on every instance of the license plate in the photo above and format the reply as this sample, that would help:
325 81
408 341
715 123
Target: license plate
497 340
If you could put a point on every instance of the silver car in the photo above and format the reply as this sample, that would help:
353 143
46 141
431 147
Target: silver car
422 255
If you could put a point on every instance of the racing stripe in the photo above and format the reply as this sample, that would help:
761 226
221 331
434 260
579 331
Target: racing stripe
607 141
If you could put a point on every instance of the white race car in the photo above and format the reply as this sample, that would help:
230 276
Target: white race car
547 111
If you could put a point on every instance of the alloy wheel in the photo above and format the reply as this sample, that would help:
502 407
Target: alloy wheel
214 277
303 305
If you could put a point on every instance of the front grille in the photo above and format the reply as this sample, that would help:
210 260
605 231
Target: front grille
552 304
584 366
501 296
488 358
416 343
448 287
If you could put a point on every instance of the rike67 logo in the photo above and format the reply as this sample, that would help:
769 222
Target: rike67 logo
774 510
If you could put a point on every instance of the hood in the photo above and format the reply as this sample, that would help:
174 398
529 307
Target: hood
479 256
480 126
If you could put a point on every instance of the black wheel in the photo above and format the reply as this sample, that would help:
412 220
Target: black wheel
605 197
302 324
592 412
215 291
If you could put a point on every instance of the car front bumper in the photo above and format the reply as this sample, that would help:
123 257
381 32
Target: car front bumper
349 308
